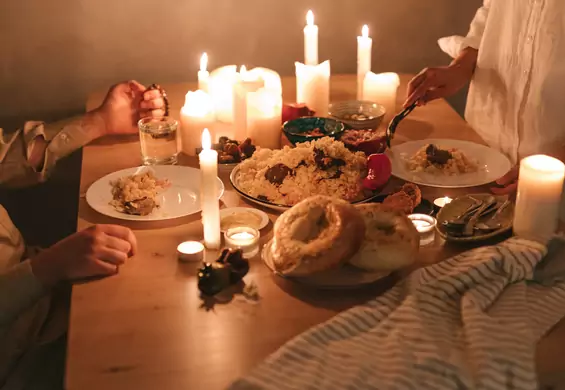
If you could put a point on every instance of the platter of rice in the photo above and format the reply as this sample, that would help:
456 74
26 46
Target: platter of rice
447 163
279 179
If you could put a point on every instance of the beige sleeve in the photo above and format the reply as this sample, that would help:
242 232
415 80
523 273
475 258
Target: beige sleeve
63 138
19 289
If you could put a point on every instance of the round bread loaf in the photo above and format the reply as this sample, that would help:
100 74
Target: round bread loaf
391 240
316 234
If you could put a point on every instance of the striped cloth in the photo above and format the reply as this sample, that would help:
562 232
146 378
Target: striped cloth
471 322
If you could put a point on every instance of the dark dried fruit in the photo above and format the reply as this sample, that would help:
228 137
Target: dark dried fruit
325 162
247 148
436 155
277 173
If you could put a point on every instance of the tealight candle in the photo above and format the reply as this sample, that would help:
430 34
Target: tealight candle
244 238
203 74
192 251
425 225
536 215
441 202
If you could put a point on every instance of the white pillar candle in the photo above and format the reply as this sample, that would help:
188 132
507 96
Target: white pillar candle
313 87
310 40
247 82
264 116
209 193
221 85
382 89
196 114
539 197
203 74
364 47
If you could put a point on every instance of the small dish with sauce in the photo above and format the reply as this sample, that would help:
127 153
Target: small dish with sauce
358 114
307 129
242 217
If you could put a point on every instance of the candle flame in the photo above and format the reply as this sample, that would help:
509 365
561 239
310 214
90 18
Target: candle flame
310 18
206 140
242 70
365 31
204 62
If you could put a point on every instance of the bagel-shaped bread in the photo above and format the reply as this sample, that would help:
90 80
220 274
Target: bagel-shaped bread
391 240
316 234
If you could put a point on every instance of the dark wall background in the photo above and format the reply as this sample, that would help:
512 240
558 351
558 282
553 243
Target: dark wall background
53 53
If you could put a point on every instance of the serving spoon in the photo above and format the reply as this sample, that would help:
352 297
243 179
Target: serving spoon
391 129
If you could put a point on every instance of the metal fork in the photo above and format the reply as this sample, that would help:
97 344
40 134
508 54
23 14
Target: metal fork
391 129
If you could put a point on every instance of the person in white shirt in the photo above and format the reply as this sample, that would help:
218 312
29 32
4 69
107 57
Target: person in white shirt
514 57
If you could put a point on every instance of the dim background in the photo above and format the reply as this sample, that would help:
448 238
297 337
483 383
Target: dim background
53 53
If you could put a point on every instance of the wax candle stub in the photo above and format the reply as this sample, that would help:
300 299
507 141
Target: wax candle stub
540 187
192 251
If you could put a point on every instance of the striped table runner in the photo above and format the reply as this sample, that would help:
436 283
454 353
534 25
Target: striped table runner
471 322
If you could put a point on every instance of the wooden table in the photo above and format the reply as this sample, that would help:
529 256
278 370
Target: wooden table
147 328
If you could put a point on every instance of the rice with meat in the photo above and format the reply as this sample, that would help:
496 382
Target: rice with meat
289 175
459 163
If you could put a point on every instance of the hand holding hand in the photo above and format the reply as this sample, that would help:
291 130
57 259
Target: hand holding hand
96 251
125 104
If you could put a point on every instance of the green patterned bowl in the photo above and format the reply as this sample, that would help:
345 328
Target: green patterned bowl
312 128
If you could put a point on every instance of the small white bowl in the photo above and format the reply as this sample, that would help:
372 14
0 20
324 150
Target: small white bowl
343 111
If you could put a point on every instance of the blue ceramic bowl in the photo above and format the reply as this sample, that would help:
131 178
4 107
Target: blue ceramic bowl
312 128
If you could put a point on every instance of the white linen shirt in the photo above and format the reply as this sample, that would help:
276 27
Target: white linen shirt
516 100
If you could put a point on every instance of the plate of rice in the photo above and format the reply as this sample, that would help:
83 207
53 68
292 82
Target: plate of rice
148 193
447 163
278 179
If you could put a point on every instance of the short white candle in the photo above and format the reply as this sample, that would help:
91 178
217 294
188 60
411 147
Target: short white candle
203 74
196 114
244 238
441 202
264 116
209 192
221 85
364 47
540 187
192 251
313 87
310 40
382 89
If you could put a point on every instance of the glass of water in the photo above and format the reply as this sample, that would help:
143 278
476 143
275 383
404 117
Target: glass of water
158 138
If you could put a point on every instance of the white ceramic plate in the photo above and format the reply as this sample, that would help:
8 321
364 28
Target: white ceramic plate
340 278
235 210
182 198
264 203
492 164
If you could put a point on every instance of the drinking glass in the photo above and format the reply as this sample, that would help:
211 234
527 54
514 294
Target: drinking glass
158 139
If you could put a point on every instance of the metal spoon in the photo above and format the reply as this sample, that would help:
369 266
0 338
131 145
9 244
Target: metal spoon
470 226
391 129
488 225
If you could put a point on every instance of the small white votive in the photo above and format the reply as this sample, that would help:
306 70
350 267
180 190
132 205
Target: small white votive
190 251
440 202
244 238
425 225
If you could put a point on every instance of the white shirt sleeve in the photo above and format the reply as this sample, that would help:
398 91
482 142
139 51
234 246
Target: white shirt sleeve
454 44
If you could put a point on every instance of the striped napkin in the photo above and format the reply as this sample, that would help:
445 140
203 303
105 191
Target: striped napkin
471 322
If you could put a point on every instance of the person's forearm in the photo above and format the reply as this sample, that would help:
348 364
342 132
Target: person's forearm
466 60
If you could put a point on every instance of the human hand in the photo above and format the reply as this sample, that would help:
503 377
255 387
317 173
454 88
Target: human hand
444 81
96 251
125 104
508 183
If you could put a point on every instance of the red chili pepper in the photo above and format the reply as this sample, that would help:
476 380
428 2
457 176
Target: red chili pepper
379 171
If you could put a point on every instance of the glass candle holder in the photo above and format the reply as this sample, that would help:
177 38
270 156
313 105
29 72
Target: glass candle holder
244 238
425 225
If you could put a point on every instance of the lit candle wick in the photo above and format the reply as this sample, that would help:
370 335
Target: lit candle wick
204 62
206 140
365 31
310 18
242 236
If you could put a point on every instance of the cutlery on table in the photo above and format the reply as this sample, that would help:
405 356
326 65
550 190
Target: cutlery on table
490 224
469 228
